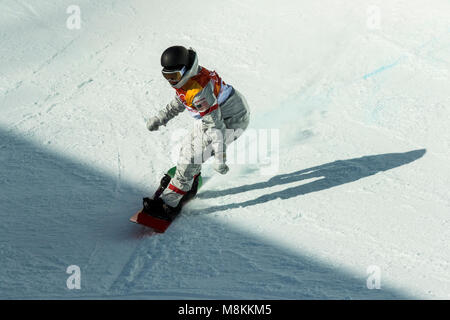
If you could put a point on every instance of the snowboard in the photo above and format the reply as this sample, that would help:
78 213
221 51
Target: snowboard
157 223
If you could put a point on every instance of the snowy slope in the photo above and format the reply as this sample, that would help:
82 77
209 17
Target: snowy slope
363 178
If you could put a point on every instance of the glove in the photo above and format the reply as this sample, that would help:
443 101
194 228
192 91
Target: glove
220 165
153 124
221 168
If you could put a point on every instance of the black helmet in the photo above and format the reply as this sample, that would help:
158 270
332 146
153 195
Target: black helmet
176 57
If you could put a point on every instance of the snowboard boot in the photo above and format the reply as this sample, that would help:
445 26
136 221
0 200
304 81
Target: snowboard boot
158 209
156 206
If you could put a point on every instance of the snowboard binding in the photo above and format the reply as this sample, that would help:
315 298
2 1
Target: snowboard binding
158 209
156 206
156 214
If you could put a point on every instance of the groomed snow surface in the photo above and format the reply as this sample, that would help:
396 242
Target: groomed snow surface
359 91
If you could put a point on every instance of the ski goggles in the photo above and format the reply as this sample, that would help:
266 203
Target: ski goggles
174 75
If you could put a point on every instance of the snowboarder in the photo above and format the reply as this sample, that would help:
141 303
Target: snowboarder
222 110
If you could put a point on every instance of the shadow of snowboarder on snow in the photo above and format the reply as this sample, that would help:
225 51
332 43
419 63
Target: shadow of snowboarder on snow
332 174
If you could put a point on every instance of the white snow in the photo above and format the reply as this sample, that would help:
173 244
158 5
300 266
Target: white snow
363 180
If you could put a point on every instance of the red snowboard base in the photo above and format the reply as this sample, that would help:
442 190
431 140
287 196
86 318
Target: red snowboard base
159 225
